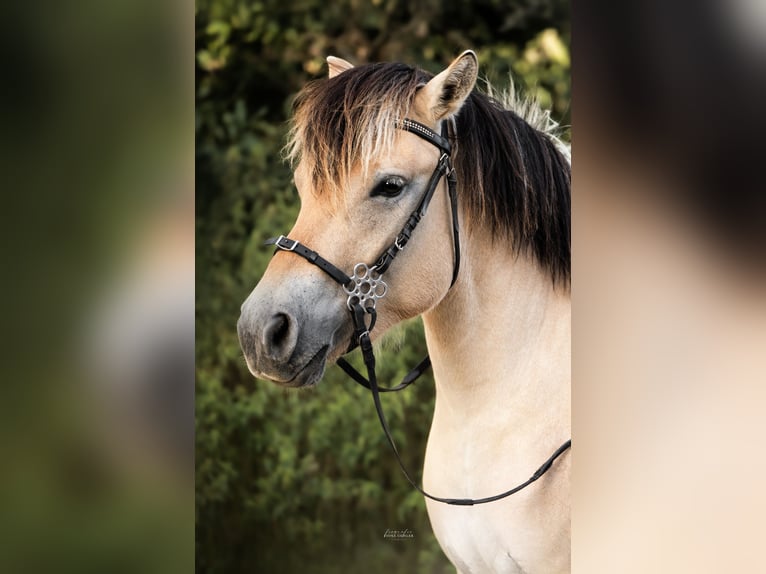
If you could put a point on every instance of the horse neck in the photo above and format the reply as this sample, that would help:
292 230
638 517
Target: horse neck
501 334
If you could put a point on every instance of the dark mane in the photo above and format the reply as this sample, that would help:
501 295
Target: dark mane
512 177
515 180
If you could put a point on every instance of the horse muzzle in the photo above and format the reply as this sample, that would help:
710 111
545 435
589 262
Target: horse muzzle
289 342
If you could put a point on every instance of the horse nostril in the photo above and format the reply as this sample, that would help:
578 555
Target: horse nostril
279 336
276 331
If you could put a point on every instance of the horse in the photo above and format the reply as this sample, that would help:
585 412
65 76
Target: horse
498 331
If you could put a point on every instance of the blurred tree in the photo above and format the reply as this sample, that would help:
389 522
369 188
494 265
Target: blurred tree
286 480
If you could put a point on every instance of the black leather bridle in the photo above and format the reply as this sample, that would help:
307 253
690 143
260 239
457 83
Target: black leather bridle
366 286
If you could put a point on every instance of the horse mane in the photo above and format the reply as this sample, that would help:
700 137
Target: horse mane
513 170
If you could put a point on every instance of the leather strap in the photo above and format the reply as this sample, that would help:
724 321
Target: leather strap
444 167
287 244
452 188
426 133
387 257
409 378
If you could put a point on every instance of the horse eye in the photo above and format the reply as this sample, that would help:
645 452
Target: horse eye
389 187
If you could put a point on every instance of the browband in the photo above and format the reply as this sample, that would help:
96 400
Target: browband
426 133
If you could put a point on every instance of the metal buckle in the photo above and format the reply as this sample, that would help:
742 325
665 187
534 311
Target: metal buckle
396 244
282 238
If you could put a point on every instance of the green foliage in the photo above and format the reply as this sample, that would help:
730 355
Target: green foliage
303 481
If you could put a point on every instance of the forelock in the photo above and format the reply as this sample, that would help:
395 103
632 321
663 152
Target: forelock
343 123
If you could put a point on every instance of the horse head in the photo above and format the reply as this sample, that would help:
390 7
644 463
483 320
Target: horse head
359 178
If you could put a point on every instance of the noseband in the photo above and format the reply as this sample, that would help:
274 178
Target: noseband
366 286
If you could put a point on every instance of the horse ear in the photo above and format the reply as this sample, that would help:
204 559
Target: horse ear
338 65
445 93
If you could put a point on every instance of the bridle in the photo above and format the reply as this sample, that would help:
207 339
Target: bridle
366 286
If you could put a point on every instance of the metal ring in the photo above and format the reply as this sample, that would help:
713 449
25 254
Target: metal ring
366 287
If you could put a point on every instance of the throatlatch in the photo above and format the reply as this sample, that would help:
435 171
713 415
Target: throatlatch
366 287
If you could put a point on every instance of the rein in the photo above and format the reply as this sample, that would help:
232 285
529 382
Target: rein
366 286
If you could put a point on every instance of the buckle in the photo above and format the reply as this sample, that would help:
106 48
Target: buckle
282 243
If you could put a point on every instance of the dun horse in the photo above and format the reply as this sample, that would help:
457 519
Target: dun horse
368 153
